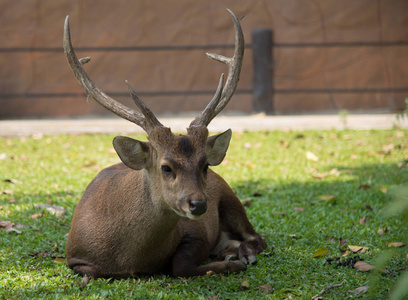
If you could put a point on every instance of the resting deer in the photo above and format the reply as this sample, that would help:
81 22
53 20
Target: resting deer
162 210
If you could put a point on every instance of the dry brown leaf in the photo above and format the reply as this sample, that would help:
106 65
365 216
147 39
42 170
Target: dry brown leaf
362 266
282 213
36 216
246 202
396 244
342 242
334 172
298 208
356 249
284 144
363 220
53 209
364 187
388 147
360 289
320 175
266 289
6 192
9 226
353 156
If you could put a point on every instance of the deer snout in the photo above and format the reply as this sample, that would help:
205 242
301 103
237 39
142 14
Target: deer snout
197 207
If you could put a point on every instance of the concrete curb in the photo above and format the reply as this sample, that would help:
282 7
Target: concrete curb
17 128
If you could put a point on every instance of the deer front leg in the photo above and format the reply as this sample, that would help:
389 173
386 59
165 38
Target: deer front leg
238 237
192 252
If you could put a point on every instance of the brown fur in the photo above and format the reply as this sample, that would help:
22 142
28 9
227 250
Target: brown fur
126 222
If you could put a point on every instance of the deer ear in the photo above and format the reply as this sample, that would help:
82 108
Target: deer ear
133 153
217 146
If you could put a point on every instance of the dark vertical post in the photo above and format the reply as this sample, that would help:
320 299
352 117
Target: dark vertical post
262 42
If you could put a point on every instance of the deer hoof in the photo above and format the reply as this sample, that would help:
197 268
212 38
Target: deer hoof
233 266
248 259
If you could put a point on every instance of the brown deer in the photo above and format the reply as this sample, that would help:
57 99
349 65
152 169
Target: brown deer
162 210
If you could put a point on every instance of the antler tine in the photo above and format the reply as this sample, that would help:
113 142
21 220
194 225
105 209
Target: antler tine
97 94
150 121
234 63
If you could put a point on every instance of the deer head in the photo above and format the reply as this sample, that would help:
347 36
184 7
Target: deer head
176 165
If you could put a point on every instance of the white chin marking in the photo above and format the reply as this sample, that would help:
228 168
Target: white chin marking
193 217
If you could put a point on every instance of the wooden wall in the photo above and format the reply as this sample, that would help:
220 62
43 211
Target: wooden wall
328 54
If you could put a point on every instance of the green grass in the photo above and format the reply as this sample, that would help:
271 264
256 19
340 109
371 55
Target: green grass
271 168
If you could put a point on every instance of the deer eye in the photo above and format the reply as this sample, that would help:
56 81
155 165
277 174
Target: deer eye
166 169
206 168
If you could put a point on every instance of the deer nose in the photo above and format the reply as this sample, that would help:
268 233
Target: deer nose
197 207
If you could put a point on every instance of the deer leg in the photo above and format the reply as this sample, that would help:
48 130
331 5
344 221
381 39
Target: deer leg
244 242
84 268
191 253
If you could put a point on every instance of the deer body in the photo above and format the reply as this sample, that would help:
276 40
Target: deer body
162 209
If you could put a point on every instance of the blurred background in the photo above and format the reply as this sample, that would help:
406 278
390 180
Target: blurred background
301 57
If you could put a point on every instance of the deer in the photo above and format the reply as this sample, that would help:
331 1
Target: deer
162 210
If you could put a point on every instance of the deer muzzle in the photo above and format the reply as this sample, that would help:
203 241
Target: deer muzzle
197 207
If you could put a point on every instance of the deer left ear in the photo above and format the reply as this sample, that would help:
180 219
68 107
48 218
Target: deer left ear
133 153
217 146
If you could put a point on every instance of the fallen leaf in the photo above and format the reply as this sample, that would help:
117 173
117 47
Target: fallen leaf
334 172
396 244
36 216
13 181
247 146
362 266
360 289
53 209
7 192
320 175
403 164
311 156
251 165
388 147
353 156
298 208
284 144
330 199
60 260
356 249
342 242
320 252
282 213
364 187
399 134
246 202
245 285
90 164
209 273
368 207
266 288
13 200
382 231
363 220
39 254
8 227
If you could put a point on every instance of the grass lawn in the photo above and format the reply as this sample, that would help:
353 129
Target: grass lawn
304 191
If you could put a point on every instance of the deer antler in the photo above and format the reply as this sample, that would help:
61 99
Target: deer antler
145 118
223 95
